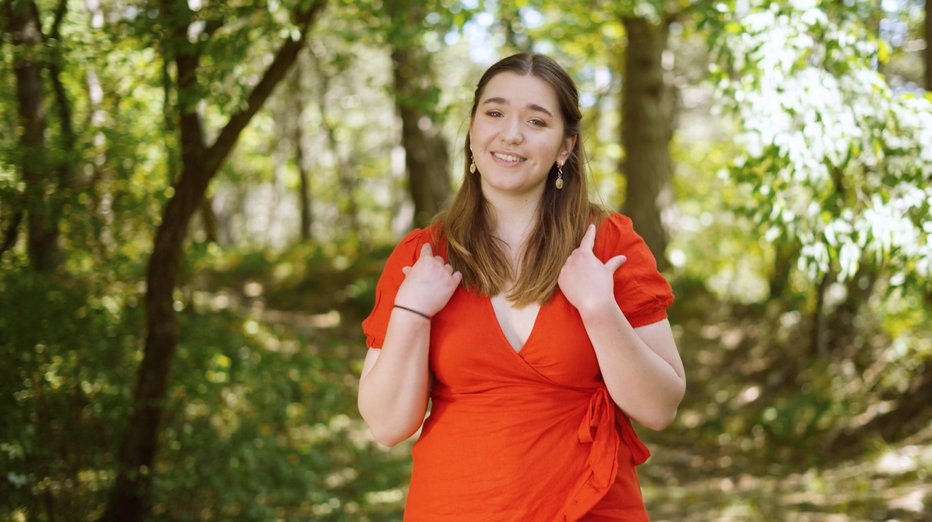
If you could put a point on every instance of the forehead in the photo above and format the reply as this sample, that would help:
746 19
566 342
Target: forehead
521 90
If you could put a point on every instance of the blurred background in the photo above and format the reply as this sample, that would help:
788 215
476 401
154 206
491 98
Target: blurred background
197 198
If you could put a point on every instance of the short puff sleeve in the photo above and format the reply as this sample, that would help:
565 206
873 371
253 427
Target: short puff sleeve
404 254
641 291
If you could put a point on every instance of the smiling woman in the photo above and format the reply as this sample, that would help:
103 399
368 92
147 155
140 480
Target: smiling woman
517 135
534 322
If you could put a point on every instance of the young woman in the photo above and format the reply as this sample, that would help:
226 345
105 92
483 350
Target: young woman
533 321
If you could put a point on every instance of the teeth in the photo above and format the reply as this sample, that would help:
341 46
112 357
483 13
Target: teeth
506 157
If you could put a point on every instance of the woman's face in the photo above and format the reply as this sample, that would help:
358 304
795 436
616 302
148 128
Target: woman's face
516 135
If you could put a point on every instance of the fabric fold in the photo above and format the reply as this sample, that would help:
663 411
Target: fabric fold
598 429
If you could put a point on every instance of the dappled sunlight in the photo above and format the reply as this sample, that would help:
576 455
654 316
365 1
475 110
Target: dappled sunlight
185 261
882 489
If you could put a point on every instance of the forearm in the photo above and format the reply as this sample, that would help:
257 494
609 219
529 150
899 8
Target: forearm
393 393
641 382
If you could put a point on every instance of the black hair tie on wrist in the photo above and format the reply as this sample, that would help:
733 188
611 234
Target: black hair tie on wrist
413 311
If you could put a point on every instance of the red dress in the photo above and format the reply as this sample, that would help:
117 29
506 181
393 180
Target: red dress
529 435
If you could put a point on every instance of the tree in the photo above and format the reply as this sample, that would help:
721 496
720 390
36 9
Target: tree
427 155
200 161
42 207
832 157
647 120
647 99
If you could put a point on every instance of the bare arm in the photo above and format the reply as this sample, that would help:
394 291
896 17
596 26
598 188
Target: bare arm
395 381
394 386
641 366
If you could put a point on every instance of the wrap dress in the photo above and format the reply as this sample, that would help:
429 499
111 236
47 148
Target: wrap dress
530 434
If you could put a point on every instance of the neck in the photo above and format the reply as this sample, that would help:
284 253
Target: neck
514 219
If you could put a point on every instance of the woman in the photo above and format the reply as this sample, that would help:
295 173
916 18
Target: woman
534 322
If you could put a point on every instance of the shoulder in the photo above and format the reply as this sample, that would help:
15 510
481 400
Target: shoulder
615 224
615 231
408 249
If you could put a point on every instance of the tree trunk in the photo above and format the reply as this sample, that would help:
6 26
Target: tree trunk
297 138
68 137
129 500
427 155
11 232
41 212
818 333
786 251
647 108
209 220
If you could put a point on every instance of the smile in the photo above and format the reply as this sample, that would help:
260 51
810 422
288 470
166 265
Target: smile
507 157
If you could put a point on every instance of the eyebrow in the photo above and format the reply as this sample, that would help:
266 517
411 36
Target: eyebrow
532 106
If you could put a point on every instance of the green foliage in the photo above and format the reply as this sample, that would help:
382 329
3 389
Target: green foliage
261 423
69 347
259 402
260 417
833 158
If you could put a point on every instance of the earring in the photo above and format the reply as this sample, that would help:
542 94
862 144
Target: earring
472 166
559 182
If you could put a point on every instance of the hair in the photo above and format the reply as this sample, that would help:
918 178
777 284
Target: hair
563 215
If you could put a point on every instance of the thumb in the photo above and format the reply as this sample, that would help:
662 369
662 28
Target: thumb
615 263
406 269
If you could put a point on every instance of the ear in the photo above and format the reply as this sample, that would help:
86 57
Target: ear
567 149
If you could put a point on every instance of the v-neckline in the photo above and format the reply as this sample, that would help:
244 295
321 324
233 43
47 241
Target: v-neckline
501 331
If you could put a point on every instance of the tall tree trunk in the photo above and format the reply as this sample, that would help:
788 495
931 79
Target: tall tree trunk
297 138
427 155
786 251
68 137
41 212
129 498
12 231
818 333
647 108
209 220
304 188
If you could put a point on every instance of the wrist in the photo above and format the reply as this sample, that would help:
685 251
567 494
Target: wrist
411 310
599 311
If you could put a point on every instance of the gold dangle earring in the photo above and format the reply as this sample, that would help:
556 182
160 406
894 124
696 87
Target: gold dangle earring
472 163
559 182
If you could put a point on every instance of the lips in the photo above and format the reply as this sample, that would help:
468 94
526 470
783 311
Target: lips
511 158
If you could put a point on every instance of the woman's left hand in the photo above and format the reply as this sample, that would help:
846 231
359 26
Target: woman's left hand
587 283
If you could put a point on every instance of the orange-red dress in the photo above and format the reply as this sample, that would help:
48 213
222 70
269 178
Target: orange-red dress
529 435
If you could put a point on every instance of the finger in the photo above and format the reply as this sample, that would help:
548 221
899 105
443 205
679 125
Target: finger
458 277
440 259
406 269
448 269
615 263
426 250
588 240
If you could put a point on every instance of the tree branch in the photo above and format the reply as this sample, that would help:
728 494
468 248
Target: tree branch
276 71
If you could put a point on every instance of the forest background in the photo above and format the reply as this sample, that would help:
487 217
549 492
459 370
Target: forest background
197 197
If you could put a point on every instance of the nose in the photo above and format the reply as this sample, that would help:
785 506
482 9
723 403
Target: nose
511 133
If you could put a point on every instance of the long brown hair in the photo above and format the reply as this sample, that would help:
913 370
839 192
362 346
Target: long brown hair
562 218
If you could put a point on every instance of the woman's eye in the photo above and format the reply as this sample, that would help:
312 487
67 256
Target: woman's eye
538 123
494 114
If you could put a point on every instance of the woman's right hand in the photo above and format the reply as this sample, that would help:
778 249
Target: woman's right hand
429 284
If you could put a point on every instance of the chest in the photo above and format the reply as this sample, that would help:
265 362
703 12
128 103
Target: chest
515 322
477 341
